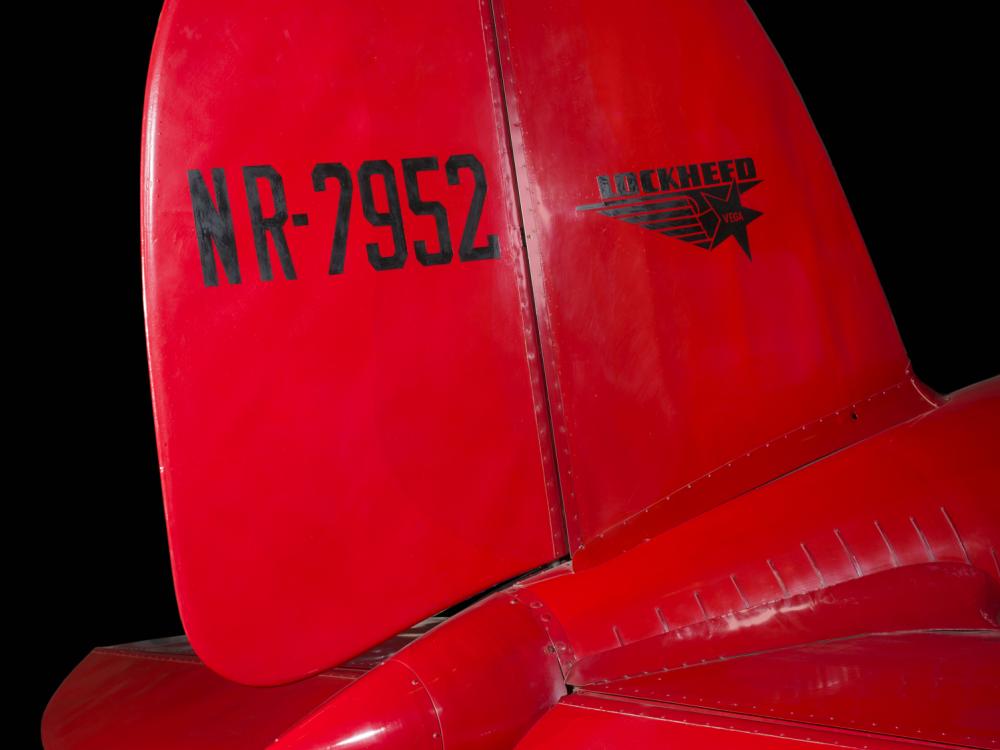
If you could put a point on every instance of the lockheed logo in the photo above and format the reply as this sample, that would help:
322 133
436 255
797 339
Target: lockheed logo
697 203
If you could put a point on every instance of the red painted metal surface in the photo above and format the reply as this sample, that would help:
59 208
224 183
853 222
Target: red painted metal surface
933 686
390 709
486 675
669 365
923 492
159 696
932 596
761 465
476 681
588 721
364 448
750 472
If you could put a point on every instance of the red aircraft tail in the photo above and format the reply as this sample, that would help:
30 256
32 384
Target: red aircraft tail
437 296
709 316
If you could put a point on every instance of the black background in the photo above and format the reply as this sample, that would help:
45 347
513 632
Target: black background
900 100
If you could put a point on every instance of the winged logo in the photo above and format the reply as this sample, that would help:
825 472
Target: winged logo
693 203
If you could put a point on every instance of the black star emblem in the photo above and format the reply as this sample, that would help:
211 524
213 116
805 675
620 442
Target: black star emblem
733 218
